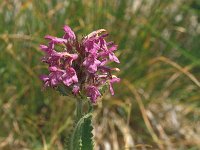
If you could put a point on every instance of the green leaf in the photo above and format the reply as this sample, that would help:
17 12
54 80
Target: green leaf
82 137
87 136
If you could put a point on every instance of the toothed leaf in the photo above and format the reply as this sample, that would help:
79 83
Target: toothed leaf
81 137
87 136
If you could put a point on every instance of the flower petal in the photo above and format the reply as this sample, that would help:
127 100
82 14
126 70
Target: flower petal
69 34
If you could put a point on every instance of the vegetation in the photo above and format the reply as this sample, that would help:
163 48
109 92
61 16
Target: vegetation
157 103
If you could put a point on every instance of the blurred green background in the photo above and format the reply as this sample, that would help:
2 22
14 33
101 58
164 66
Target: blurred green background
157 103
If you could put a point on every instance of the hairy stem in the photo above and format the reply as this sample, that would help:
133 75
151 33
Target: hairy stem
79 107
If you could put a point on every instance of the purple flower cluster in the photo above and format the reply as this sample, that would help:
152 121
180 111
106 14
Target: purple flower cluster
80 66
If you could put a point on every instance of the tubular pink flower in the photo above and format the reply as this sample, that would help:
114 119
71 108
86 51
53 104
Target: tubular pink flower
76 89
93 93
55 40
69 34
91 47
69 77
91 63
111 81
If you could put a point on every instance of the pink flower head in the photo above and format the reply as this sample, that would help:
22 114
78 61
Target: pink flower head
80 66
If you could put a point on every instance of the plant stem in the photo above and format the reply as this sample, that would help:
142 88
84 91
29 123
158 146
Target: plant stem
79 107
